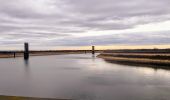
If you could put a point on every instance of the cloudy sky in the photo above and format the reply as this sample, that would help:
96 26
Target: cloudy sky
63 24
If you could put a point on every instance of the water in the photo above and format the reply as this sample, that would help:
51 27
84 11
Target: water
81 77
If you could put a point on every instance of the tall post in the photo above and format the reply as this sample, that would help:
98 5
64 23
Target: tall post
26 52
93 50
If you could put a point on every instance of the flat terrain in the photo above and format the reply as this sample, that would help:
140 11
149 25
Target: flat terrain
150 57
24 98
13 54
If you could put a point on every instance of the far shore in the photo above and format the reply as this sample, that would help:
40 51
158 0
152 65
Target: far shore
2 97
14 54
31 54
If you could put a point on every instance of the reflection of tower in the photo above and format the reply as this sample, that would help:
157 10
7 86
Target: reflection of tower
27 71
26 52
93 57
26 62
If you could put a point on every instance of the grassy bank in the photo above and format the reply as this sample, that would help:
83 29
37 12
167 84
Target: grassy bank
147 57
25 98
10 54
156 56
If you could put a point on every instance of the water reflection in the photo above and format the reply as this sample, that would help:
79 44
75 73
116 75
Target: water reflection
93 57
26 62
82 77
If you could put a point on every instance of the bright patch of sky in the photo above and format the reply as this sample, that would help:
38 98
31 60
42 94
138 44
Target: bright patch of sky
76 23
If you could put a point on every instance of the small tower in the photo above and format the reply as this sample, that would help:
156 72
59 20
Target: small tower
26 52
93 50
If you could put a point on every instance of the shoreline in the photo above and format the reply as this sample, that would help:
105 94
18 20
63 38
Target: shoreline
3 97
137 58
21 54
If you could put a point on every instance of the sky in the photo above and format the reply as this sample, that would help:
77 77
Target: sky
78 24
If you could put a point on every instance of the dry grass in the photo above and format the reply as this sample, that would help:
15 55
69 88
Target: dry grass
25 98
6 56
139 58
156 56
10 55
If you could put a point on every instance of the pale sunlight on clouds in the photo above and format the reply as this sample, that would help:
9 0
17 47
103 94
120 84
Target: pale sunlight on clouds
63 24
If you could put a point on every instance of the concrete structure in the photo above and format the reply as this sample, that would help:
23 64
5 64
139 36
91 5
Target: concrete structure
93 50
26 52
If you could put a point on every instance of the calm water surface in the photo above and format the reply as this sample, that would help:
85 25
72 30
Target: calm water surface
81 77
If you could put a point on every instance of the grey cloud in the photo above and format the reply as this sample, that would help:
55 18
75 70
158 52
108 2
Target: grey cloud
124 39
54 21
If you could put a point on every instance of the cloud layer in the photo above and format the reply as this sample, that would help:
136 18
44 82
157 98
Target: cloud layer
82 22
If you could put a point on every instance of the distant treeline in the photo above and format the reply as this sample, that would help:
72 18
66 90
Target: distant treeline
138 51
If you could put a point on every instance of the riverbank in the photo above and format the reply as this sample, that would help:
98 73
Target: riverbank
13 54
25 98
147 57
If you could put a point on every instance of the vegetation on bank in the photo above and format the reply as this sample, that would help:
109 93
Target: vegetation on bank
150 51
158 57
26 98
12 54
139 55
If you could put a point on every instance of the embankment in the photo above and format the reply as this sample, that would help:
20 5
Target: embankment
25 98
12 54
147 57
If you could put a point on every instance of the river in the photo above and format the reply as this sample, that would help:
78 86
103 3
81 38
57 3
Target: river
81 77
